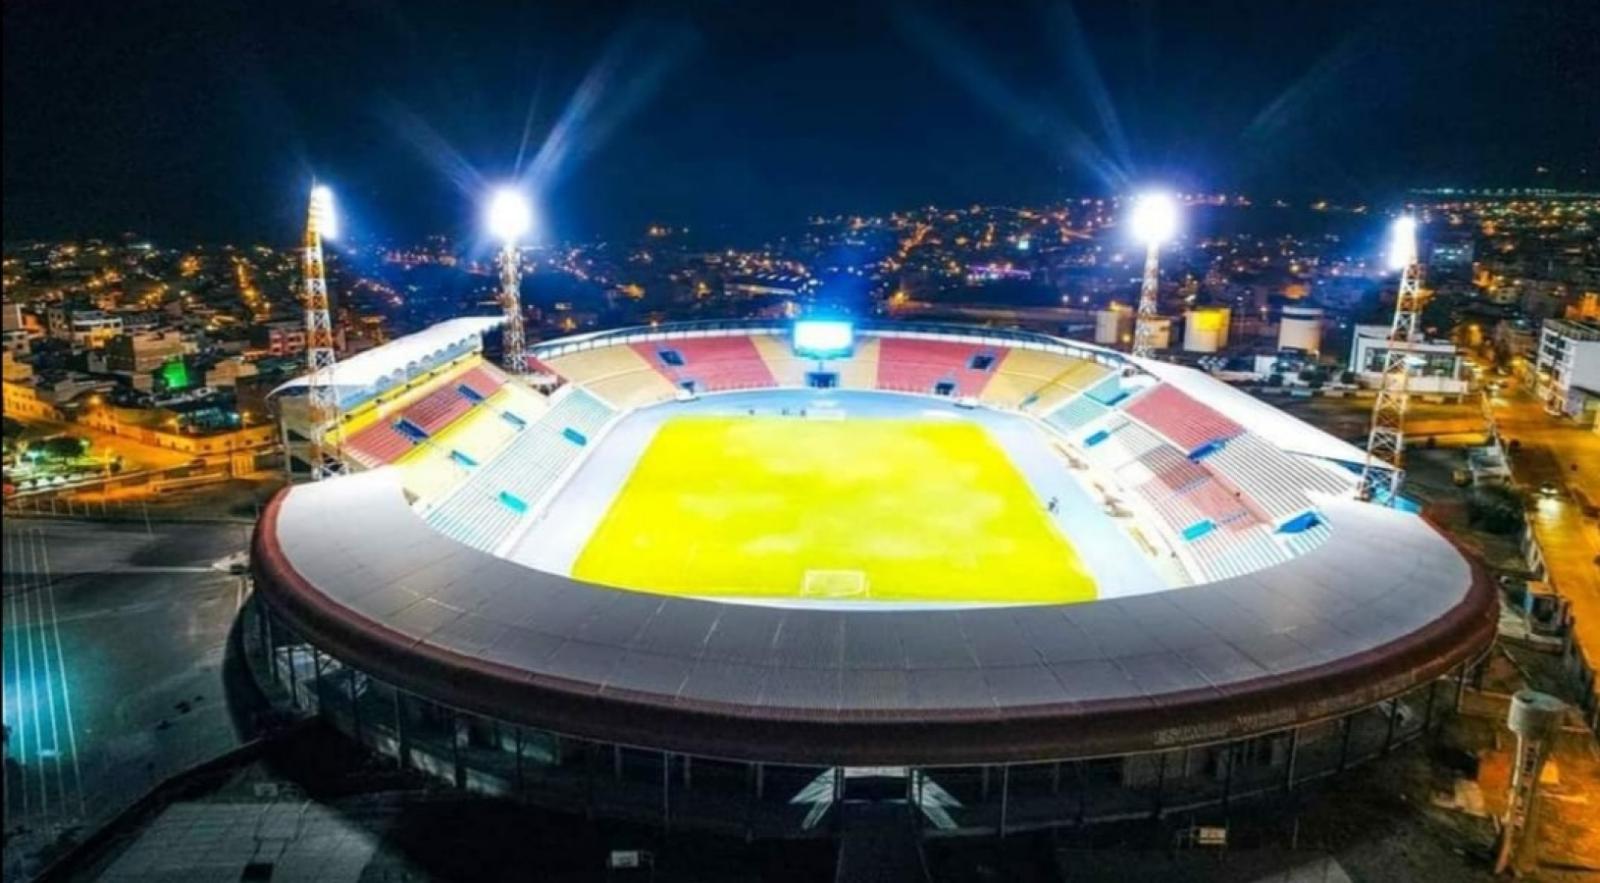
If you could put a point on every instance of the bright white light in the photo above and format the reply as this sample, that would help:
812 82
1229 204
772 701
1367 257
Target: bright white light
1154 219
817 337
322 210
1403 242
509 215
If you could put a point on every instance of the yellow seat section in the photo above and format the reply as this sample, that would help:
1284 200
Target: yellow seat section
428 472
1021 374
617 374
860 371
787 368
1075 379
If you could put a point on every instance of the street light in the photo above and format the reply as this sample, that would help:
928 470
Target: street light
509 217
1153 221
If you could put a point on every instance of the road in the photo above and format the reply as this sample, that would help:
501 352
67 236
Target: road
1566 454
1549 449
114 643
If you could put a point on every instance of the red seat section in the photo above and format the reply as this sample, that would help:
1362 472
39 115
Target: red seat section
378 444
438 408
914 365
1184 421
483 380
713 363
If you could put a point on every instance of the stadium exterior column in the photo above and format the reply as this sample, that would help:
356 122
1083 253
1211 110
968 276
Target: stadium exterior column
666 790
1394 714
1427 711
355 706
1083 790
1461 686
1005 796
457 731
401 735
1344 742
517 730
272 655
1161 785
316 674
1294 755
1229 752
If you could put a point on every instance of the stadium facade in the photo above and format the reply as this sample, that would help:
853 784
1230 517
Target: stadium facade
1256 627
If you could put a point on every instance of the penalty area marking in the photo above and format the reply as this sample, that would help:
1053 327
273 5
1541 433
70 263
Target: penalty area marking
834 584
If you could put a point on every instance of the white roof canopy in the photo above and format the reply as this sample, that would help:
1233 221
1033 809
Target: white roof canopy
400 356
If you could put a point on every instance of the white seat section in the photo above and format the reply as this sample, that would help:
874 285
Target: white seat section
1275 481
1076 413
1226 553
485 508
1124 441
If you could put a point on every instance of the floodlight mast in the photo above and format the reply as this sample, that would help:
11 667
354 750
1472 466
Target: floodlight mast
1383 473
1154 220
326 426
509 219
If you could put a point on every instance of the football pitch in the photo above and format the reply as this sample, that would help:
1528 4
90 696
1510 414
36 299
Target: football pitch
852 510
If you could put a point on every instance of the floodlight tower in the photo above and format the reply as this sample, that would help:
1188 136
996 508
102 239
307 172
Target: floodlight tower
322 400
1154 220
509 218
1382 475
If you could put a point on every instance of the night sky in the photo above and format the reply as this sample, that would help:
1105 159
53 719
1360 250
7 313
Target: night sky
204 121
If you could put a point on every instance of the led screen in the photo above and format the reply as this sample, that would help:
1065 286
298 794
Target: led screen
822 338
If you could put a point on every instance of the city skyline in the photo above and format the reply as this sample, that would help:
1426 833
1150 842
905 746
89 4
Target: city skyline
200 123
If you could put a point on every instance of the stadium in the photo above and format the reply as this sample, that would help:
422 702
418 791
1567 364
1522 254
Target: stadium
744 576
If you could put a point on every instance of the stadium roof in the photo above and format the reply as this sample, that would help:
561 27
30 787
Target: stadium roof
1282 430
1386 604
365 369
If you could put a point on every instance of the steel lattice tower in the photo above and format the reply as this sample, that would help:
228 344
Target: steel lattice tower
1382 475
1144 329
322 400
511 301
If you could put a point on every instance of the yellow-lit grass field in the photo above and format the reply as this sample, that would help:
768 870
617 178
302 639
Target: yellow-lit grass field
854 510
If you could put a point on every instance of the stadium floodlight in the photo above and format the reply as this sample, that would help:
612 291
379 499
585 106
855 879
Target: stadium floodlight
1154 219
322 213
509 215
1403 242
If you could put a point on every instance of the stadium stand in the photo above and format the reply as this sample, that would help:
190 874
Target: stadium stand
377 444
1074 378
616 374
1180 419
860 371
1272 479
710 364
1120 443
483 510
438 409
1076 414
787 369
927 366
1021 374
